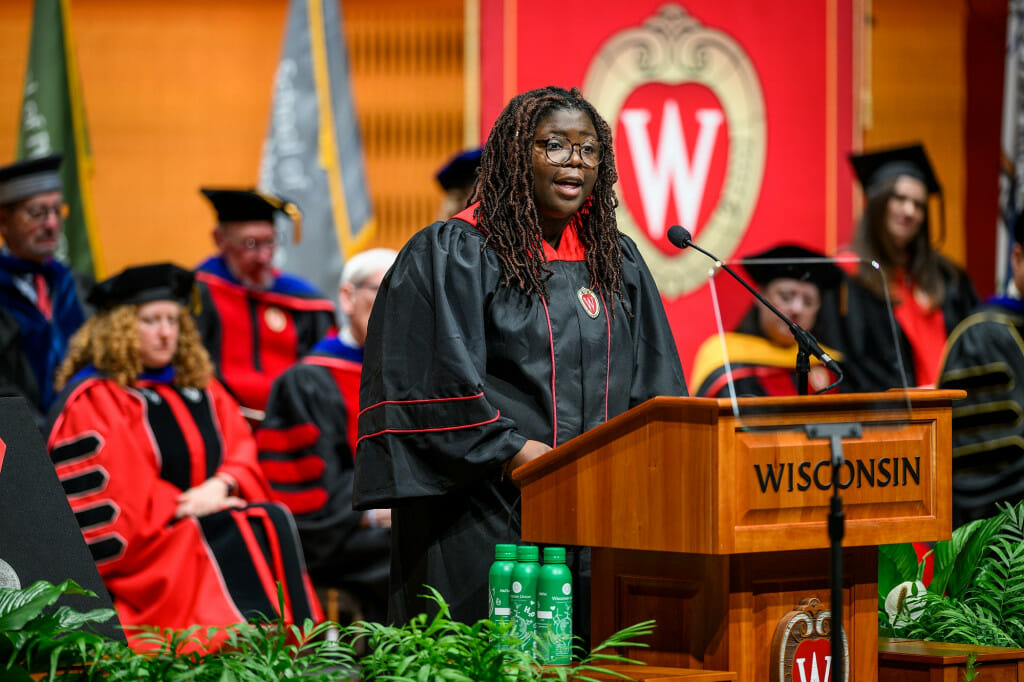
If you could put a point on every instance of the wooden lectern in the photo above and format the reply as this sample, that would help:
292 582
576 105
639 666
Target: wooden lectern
715 525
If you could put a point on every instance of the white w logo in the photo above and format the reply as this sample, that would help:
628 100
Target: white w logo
800 665
673 164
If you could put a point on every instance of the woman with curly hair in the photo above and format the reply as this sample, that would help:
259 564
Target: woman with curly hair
160 467
518 324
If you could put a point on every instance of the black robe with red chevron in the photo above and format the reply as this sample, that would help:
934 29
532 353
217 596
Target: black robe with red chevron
124 455
306 445
461 370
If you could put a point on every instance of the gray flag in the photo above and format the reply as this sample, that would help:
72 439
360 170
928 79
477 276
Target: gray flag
313 153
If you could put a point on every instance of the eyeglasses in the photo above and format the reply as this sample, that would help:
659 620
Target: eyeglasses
39 214
251 244
559 151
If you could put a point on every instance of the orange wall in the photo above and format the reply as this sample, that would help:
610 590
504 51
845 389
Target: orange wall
177 95
178 92
917 93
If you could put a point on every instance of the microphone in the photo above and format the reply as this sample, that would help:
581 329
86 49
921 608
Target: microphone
680 237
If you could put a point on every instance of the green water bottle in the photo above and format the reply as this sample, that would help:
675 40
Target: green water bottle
554 609
524 596
499 584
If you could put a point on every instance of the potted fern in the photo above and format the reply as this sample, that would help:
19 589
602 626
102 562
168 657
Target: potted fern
975 598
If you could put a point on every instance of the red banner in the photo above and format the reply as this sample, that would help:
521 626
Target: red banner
731 119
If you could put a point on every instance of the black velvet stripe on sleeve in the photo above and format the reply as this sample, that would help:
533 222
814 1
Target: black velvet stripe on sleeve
84 482
106 549
96 515
80 448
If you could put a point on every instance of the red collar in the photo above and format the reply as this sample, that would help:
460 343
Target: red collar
570 248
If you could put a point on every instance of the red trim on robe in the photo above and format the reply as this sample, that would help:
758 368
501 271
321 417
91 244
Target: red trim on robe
421 400
439 428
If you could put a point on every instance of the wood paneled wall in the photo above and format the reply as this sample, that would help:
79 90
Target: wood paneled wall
407 73
936 76
916 93
178 96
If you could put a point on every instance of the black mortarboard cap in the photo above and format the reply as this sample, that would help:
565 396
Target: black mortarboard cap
874 167
29 177
142 284
460 171
792 262
245 205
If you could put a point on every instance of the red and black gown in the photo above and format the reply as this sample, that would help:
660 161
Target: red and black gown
880 350
757 367
307 445
124 455
460 371
253 335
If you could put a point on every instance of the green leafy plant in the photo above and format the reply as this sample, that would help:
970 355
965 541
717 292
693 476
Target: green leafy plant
976 595
428 648
33 635
971 667
438 648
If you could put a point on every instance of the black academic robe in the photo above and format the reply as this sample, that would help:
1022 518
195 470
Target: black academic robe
306 449
985 357
859 325
460 371
16 376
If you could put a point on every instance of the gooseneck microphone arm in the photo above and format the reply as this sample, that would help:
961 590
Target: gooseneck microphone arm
805 341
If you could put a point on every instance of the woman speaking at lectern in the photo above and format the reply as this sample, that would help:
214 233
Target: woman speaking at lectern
516 325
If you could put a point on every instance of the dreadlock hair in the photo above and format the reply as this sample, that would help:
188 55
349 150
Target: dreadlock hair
508 214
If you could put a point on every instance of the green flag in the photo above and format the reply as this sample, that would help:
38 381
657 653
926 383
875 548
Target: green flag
53 121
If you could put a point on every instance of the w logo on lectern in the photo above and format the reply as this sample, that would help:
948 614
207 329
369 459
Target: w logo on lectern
802 646
812 661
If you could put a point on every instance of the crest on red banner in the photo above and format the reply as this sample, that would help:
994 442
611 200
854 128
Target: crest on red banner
688 115
802 646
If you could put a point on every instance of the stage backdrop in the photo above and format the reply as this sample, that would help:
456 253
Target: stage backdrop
731 119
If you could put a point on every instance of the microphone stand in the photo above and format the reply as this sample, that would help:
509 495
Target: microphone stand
806 346
803 370
806 343
836 529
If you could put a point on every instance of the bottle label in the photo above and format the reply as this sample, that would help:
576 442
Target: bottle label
524 618
502 611
554 627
